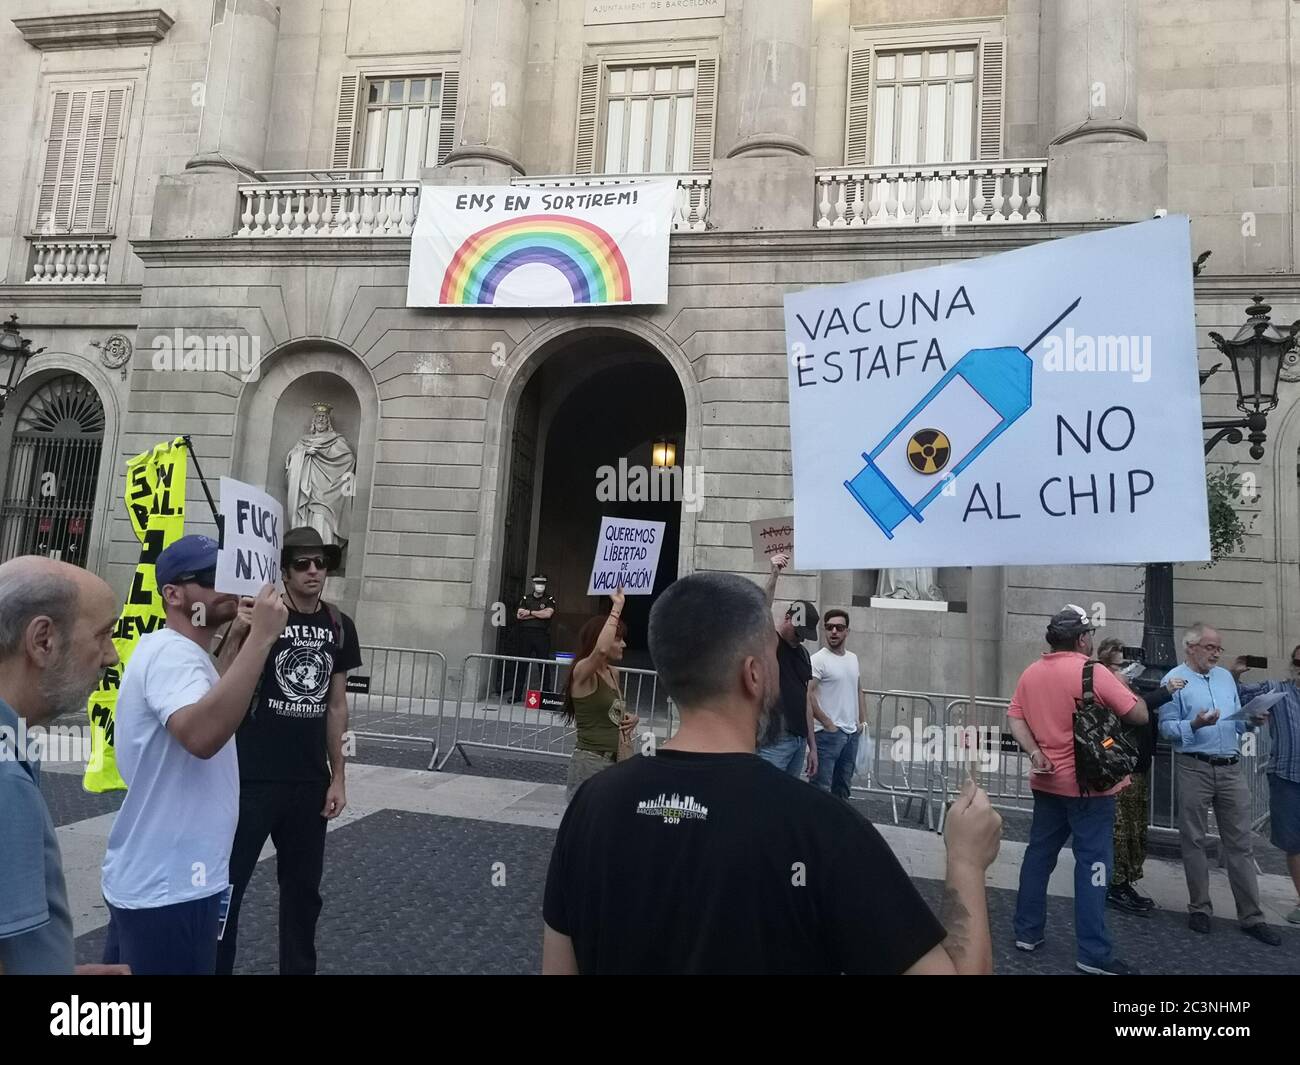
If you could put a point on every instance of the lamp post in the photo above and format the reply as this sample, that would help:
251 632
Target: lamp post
15 350
1256 353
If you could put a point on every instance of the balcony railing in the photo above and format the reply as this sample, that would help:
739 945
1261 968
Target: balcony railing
690 210
936 194
328 208
70 261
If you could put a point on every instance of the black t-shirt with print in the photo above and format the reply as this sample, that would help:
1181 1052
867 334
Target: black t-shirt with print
795 665
283 736
683 862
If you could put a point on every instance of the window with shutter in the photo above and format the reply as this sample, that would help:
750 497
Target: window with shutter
403 122
647 115
925 95
83 156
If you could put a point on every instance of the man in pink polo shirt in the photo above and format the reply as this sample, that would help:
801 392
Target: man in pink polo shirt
1041 718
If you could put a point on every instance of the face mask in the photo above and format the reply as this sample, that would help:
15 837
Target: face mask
538 589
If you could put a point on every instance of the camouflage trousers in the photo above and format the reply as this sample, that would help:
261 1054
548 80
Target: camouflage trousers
1130 831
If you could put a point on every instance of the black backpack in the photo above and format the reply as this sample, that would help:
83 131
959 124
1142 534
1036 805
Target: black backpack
1103 753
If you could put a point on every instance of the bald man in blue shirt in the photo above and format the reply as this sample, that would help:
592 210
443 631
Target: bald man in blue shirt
1199 725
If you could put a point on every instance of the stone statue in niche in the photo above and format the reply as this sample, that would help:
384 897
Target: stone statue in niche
321 474
909 584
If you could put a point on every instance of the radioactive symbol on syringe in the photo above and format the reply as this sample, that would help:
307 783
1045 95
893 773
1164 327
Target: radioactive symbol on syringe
975 402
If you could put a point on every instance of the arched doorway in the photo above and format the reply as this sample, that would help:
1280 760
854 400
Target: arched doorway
590 415
53 469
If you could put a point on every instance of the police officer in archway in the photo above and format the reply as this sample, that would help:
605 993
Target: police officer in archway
532 635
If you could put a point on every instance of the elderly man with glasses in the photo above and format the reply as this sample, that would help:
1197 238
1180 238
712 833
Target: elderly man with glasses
1204 724
1284 764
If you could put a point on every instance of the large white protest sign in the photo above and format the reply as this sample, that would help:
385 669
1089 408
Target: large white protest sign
772 536
627 553
252 532
1035 407
522 246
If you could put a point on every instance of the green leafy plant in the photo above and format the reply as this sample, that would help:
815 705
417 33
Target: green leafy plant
1223 489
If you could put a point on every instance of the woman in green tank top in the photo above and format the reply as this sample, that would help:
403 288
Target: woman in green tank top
593 700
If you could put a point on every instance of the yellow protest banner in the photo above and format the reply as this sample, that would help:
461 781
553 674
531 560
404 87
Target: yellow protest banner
155 502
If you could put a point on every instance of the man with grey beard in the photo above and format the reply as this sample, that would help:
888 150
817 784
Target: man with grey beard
56 635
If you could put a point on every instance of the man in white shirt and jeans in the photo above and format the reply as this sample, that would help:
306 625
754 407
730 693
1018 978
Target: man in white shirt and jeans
168 857
836 684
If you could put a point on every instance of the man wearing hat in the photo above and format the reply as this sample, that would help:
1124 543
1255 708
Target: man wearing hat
291 752
166 868
533 633
1041 718
788 742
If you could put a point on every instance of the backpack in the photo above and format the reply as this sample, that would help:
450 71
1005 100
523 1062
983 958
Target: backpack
1103 754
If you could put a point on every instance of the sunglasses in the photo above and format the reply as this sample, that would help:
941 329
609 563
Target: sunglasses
836 628
302 565
204 578
1296 662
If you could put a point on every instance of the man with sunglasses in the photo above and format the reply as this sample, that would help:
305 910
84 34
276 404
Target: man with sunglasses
837 690
1283 764
1204 726
291 752
166 868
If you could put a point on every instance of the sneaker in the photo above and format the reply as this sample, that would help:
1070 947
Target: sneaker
1029 946
1114 967
1123 897
1294 916
1199 922
1264 934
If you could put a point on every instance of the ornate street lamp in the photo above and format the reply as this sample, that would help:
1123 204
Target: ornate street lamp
1256 353
15 349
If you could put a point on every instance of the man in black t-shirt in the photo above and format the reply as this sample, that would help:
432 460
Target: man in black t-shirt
533 635
290 746
705 859
789 743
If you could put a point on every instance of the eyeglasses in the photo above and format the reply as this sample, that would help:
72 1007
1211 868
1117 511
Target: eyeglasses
836 628
1213 648
302 565
204 578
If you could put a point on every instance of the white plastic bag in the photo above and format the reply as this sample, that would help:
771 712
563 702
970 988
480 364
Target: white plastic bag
866 754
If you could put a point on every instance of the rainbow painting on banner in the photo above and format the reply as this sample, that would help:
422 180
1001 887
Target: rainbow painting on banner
587 256
504 246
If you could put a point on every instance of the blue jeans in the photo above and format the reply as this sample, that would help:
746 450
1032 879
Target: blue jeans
787 754
837 755
1091 823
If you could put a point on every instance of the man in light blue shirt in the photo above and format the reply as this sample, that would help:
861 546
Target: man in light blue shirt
1199 724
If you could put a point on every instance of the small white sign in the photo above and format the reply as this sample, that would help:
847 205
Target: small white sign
772 536
253 531
627 553
605 12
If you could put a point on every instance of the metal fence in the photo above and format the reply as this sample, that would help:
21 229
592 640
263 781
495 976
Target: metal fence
489 716
399 693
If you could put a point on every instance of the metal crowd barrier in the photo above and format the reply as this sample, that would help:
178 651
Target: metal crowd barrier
911 778
399 693
487 717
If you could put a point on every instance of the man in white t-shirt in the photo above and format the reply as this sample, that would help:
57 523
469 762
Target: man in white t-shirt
166 868
836 684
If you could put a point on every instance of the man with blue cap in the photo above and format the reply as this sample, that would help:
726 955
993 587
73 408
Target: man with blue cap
166 868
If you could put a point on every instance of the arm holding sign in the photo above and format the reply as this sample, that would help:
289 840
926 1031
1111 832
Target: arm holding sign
585 671
204 727
779 562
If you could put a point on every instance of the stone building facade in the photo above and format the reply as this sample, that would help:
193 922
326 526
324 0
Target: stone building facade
246 172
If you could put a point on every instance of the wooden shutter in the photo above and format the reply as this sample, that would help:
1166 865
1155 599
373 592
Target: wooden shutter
447 122
992 79
346 120
706 105
82 154
584 157
857 126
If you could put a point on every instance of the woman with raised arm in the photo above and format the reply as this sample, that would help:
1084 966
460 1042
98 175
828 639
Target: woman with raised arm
593 700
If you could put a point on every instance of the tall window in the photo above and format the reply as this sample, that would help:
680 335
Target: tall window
402 121
649 118
924 104
83 155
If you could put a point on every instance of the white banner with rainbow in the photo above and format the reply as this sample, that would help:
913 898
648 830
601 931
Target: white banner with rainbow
529 246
